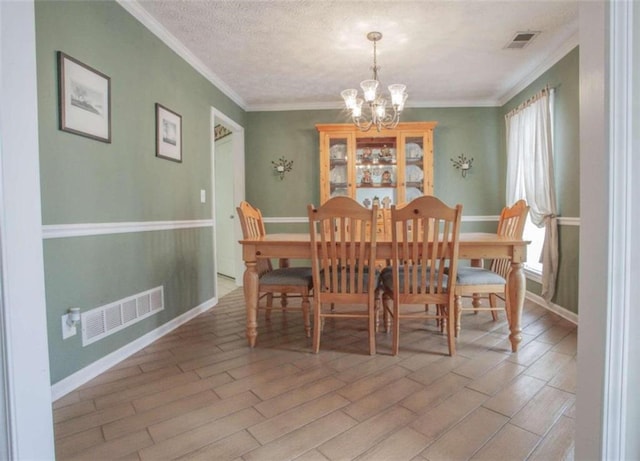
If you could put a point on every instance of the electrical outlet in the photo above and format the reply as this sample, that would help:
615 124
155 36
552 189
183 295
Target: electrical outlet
203 196
67 330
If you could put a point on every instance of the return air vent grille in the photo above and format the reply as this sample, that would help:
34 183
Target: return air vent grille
521 39
105 320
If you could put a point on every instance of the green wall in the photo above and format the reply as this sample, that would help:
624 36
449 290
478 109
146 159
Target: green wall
86 181
476 132
564 77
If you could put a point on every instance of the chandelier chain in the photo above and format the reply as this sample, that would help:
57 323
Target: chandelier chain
375 60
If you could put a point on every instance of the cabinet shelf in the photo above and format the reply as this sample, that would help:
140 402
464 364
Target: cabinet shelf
376 186
375 164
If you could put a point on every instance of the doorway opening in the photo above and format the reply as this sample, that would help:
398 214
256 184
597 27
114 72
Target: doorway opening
227 191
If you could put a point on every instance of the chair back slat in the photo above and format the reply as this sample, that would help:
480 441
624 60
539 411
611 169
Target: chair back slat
511 224
342 247
253 227
424 241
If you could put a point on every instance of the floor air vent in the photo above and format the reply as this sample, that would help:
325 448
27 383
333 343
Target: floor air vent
106 320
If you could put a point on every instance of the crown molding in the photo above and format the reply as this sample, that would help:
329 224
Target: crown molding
560 52
456 103
143 16
146 19
294 106
340 106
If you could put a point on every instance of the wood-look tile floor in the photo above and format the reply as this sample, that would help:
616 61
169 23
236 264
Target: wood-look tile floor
201 393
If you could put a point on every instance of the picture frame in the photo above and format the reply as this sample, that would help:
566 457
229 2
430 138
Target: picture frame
168 134
84 99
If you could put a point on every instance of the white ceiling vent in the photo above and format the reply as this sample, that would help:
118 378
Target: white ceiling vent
522 39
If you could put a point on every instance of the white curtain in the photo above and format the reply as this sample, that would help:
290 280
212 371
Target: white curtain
530 175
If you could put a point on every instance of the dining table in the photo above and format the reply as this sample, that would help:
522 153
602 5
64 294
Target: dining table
473 246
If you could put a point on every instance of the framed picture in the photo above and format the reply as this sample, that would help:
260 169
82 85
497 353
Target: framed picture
84 99
168 134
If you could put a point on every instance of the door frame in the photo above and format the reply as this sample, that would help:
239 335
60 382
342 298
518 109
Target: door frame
237 149
26 389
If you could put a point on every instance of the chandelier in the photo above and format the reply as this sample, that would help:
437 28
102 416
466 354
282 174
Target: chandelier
377 111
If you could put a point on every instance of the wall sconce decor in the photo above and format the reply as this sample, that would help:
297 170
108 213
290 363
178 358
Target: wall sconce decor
463 164
282 166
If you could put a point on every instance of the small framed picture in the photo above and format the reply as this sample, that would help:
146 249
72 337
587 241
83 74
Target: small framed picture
84 99
168 134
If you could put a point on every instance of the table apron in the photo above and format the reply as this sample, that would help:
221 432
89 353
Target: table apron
253 251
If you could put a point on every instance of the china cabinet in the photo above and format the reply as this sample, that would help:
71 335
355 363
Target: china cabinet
387 167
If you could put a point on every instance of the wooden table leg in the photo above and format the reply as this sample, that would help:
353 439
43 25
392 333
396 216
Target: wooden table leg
516 287
250 281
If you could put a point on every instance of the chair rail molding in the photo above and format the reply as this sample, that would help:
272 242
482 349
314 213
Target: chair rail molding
563 221
53 231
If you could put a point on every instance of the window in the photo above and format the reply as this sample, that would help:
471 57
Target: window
530 176
534 250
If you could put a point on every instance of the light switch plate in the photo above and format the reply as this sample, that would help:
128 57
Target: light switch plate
67 331
203 196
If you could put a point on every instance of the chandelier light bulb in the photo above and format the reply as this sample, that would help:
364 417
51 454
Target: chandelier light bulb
404 99
398 94
349 97
356 111
380 109
369 88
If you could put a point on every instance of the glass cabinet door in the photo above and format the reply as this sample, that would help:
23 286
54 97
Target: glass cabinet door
338 166
414 167
376 171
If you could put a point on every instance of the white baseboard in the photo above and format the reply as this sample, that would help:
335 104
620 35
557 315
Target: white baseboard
559 310
72 382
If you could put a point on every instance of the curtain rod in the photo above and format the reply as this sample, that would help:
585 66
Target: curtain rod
547 89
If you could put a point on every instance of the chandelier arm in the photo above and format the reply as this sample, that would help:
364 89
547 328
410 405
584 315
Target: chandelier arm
392 118
357 121
391 121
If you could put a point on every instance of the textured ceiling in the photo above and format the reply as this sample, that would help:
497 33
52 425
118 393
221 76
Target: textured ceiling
302 53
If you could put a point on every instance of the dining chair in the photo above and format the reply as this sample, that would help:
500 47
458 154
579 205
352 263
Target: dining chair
343 254
491 283
276 282
424 236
